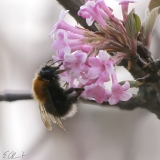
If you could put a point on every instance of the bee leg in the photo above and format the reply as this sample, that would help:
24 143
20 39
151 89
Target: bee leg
79 89
71 90
73 98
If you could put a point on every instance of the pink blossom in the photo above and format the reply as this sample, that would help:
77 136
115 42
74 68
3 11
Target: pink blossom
59 56
119 93
124 4
90 11
61 42
96 91
87 48
98 70
105 8
56 26
95 10
81 54
85 79
67 42
74 63
100 67
61 24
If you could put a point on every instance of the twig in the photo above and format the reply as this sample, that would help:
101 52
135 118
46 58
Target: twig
13 95
145 98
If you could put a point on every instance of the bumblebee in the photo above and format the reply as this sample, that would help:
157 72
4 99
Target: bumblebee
55 102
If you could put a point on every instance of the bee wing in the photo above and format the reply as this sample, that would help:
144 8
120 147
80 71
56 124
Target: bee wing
54 116
45 117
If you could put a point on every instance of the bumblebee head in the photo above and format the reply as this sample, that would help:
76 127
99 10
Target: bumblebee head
49 73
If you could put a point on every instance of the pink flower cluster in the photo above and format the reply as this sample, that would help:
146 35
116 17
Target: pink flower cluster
84 54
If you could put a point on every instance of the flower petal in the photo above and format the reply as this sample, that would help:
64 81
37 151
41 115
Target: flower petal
63 14
100 80
113 100
108 94
125 86
105 76
61 42
58 44
55 58
68 64
93 61
82 81
125 96
109 67
69 58
74 72
56 26
99 99
66 49
103 56
89 21
93 72
96 91
116 88
81 57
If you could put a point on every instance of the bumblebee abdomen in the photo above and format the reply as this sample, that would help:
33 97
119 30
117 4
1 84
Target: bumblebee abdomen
38 88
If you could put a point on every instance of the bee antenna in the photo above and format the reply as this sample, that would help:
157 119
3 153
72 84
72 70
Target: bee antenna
49 61
55 62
